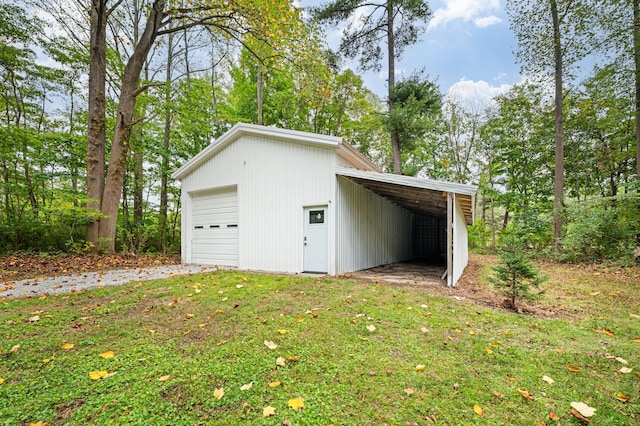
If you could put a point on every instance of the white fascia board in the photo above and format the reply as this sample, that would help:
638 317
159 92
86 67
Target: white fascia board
241 129
356 158
434 185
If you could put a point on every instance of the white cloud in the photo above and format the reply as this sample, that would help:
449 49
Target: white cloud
487 21
475 95
478 11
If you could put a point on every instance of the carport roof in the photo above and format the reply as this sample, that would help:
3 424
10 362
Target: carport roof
415 194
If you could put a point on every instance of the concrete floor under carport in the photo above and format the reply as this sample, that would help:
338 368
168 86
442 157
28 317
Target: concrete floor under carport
405 273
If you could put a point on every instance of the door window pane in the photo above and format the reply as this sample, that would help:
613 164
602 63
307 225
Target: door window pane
316 216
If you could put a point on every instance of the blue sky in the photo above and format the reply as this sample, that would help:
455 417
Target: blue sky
468 48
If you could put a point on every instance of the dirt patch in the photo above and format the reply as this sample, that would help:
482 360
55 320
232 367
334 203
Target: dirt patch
26 266
66 411
469 288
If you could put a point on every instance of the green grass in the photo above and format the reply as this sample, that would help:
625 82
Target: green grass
206 333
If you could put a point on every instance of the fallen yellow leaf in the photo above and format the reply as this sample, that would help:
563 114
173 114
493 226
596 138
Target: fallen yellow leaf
274 384
608 332
270 344
489 351
268 411
40 423
1 380
67 346
14 349
164 378
478 410
246 387
636 340
107 354
280 361
622 397
281 331
296 403
34 318
97 375
409 391
420 367
218 393
47 360
525 394
573 368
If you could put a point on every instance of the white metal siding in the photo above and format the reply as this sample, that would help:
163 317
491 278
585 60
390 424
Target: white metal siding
371 230
460 242
275 180
215 227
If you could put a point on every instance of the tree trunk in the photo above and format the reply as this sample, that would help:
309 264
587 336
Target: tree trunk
636 60
138 138
138 182
558 194
259 85
123 125
96 136
166 139
395 140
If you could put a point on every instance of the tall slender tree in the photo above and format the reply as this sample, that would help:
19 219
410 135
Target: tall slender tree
553 37
371 23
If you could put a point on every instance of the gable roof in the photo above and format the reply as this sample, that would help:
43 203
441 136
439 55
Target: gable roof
419 195
344 150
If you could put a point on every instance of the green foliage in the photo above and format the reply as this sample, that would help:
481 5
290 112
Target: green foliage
479 237
600 151
603 230
515 276
416 108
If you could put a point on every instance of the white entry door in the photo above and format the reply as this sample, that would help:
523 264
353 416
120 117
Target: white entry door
316 239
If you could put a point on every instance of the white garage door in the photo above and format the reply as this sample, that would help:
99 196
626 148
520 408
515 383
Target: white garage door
215 228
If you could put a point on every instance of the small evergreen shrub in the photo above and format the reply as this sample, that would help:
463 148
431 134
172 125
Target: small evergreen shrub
515 277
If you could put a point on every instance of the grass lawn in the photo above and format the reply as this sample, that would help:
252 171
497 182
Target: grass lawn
195 350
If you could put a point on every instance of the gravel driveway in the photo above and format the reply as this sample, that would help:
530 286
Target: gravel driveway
70 283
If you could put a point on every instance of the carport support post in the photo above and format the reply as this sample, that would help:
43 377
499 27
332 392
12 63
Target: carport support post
450 206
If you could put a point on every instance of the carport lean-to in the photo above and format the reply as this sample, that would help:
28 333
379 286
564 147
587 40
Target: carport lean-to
441 210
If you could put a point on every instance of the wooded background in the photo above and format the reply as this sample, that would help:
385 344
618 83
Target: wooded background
102 100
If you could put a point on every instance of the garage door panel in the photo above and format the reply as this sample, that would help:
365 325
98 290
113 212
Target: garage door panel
215 228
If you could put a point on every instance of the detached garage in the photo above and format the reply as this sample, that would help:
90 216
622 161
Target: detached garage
263 198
